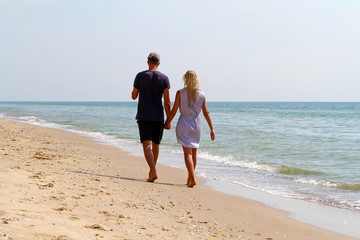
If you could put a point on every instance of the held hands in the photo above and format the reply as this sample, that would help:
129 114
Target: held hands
167 125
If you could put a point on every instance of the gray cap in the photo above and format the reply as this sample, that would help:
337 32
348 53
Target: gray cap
153 56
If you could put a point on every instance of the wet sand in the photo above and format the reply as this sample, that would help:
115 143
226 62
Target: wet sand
59 185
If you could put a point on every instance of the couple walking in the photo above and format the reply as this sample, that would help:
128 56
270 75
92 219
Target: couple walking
151 86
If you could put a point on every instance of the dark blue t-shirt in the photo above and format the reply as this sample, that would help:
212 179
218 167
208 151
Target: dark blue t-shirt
151 86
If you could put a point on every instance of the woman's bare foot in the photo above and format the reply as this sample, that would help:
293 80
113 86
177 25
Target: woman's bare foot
191 184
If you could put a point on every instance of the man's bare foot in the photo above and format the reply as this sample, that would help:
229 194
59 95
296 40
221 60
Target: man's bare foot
152 177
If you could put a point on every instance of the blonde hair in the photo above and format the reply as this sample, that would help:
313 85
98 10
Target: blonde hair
192 84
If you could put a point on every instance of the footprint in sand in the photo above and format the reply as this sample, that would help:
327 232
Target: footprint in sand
43 156
74 218
39 175
46 186
96 227
61 209
57 198
62 237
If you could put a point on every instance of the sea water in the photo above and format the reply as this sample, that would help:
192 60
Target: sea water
304 151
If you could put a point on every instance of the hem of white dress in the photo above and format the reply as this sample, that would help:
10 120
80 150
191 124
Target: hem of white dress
188 146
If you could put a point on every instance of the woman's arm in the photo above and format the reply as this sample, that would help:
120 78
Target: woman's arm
208 119
173 111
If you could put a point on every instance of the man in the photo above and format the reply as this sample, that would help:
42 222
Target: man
151 86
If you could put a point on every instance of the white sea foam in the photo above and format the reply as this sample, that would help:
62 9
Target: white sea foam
124 144
323 183
31 119
40 122
237 161
175 151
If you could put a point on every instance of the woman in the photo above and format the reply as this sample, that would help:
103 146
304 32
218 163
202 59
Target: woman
189 127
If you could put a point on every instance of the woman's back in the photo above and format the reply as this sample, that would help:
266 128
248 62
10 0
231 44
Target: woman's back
189 126
194 108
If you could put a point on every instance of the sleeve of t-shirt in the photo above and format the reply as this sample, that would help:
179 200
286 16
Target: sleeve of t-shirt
167 83
137 82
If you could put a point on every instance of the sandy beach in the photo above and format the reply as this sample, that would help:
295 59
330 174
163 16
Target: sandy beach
59 185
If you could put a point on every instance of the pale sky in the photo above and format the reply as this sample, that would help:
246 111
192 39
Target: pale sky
242 50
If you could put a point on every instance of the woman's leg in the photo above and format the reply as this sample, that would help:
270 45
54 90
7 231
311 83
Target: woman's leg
190 166
194 157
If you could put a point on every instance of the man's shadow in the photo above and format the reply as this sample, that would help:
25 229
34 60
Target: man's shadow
129 179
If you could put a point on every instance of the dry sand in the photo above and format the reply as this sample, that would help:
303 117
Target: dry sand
58 185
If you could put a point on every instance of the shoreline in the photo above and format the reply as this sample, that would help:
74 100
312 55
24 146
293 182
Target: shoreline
326 217
59 185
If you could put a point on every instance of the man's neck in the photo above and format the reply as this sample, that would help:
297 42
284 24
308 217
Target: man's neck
153 68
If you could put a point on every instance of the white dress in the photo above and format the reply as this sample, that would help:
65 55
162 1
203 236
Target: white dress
189 126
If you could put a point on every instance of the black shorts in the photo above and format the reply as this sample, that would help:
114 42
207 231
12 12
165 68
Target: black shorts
151 130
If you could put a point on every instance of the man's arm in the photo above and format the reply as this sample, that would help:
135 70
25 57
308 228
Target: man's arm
167 102
135 93
173 111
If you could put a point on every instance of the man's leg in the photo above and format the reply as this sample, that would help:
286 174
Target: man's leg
157 130
155 151
149 156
